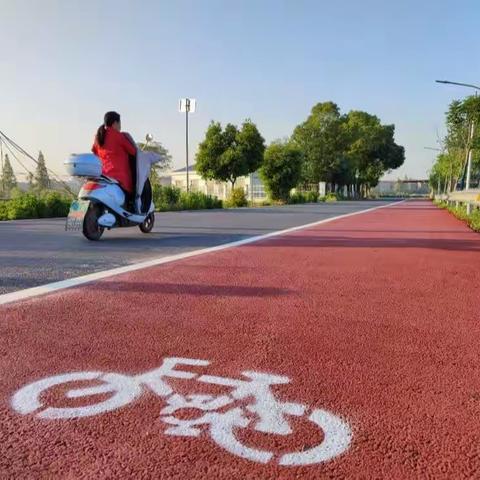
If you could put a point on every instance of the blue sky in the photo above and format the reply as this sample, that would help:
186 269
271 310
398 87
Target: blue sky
64 63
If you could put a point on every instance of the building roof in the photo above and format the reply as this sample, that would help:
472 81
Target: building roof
191 168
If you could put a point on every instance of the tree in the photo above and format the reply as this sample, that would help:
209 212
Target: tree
8 180
230 153
164 163
281 169
371 149
42 180
322 141
450 165
346 150
31 180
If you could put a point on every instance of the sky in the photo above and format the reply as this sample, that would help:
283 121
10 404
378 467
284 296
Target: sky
64 63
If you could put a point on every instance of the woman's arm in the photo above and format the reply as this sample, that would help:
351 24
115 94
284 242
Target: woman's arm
128 144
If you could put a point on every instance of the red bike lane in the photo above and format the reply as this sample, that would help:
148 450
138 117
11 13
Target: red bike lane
346 350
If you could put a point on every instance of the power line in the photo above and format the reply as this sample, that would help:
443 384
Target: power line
17 159
7 140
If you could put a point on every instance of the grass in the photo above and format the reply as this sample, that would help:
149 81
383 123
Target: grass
472 220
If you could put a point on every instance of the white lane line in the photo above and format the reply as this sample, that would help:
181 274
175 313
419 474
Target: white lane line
91 277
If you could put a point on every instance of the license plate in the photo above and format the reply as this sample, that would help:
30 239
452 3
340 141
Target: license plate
77 212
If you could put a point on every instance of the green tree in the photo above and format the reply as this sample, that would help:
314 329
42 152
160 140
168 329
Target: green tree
371 149
322 140
346 150
450 166
230 153
164 163
31 180
459 118
42 180
281 169
8 180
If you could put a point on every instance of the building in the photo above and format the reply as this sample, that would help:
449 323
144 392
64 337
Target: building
405 187
252 185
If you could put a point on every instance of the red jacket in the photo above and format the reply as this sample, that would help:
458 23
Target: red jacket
114 156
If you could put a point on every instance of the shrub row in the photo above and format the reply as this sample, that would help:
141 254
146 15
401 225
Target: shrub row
29 205
172 198
312 197
472 220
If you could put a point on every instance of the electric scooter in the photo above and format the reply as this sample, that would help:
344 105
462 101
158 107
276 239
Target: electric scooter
102 203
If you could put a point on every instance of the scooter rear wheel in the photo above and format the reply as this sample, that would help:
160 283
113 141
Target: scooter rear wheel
148 223
91 229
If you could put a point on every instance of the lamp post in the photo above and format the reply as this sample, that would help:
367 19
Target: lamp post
187 105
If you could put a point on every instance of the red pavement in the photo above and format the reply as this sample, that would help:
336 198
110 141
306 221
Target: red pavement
374 319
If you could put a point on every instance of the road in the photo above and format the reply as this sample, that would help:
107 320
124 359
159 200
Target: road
35 252
348 349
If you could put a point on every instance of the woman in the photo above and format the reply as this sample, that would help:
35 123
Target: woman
114 148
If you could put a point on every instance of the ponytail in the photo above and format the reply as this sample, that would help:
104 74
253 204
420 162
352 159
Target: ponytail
109 119
100 137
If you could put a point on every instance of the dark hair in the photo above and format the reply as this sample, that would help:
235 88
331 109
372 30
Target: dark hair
108 120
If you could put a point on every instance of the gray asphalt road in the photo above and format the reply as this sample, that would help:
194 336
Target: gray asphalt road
35 252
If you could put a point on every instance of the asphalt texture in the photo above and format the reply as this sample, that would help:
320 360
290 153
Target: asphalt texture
348 350
36 252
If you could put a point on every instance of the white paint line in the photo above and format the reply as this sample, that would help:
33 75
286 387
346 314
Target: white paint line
92 277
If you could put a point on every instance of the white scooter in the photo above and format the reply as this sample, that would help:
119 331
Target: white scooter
101 202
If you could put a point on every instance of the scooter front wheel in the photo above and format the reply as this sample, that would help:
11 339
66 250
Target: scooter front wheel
147 225
91 229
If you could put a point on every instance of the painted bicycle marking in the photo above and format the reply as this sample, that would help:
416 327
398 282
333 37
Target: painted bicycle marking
263 413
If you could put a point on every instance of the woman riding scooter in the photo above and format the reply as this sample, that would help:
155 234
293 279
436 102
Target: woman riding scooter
114 150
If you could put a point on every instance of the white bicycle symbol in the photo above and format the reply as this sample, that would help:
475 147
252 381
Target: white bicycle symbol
268 412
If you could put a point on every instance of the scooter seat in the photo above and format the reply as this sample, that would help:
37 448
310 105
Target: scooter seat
111 180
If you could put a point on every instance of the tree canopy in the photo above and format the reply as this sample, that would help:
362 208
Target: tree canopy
8 180
350 150
41 178
281 169
450 166
355 149
230 153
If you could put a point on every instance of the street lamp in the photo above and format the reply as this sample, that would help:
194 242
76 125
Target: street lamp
457 83
471 133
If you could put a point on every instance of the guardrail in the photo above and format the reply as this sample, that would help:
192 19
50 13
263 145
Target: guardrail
469 197
465 196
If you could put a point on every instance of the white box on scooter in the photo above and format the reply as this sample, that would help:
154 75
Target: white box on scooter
84 165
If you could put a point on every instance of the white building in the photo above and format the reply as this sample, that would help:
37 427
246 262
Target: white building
252 184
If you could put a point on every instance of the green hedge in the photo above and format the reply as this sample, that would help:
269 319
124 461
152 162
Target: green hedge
29 205
171 198
304 197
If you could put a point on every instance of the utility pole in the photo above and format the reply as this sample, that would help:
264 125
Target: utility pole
470 152
187 105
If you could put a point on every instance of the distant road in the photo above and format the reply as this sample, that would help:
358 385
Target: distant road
35 252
